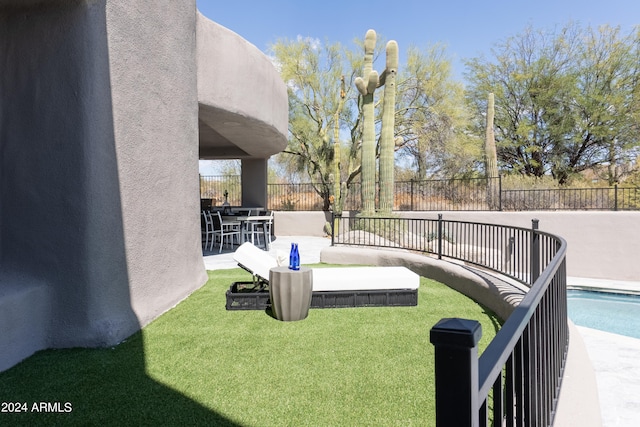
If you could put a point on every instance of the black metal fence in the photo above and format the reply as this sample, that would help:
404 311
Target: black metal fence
294 197
214 187
449 195
598 198
516 380
478 194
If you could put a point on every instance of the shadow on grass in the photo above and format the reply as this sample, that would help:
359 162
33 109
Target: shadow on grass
196 365
96 387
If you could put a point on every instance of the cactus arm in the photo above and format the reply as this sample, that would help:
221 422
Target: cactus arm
361 86
372 82
369 48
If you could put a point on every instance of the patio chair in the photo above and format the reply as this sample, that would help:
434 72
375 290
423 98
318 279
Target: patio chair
225 230
250 231
265 228
207 230
258 228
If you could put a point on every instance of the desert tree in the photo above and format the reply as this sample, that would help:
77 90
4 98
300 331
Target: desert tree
433 119
326 118
565 99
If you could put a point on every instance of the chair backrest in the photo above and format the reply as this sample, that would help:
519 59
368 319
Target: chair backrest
217 221
257 261
206 221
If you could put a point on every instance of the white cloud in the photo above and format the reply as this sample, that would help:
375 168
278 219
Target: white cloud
314 42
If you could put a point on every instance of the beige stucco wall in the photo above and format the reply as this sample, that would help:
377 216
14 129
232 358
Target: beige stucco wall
300 223
101 106
601 245
99 212
152 56
237 77
241 95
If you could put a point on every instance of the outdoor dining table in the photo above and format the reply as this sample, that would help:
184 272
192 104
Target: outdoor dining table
251 219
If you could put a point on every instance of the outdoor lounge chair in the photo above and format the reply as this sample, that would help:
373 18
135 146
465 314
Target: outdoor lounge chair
337 287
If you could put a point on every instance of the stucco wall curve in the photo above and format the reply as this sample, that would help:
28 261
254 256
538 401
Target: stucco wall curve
239 84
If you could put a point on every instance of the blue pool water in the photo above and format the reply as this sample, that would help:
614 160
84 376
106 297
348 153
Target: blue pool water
615 313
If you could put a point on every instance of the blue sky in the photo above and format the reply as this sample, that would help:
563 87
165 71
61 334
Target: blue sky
469 28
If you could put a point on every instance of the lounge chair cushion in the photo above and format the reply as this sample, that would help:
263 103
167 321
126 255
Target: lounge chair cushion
255 260
364 278
259 262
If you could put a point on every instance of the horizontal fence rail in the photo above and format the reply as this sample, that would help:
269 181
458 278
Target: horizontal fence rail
516 380
478 194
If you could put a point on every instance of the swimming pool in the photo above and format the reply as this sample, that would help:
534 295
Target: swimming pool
615 313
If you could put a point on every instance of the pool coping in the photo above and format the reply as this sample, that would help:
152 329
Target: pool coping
603 285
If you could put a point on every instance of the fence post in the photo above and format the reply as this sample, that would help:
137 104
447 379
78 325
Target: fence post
439 236
615 197
333 228
535 251
500 193
456 371
411 194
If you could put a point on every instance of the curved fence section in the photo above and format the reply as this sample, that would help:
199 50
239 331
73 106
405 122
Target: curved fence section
516 380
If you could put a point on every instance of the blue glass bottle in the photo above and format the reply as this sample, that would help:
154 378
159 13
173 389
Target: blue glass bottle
294 257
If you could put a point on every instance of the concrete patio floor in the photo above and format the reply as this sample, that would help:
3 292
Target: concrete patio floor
615 358
309 248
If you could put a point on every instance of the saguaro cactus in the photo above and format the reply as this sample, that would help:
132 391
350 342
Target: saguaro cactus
337 193
366 85
491 156
387 142
337 201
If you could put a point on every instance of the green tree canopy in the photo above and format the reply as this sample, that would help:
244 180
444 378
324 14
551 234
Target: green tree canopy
429 121
565 101
434 118
313 71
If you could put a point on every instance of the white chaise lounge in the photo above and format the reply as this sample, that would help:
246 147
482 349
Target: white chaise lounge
362 286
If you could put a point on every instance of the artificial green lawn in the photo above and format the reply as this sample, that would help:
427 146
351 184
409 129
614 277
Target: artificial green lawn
199 364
